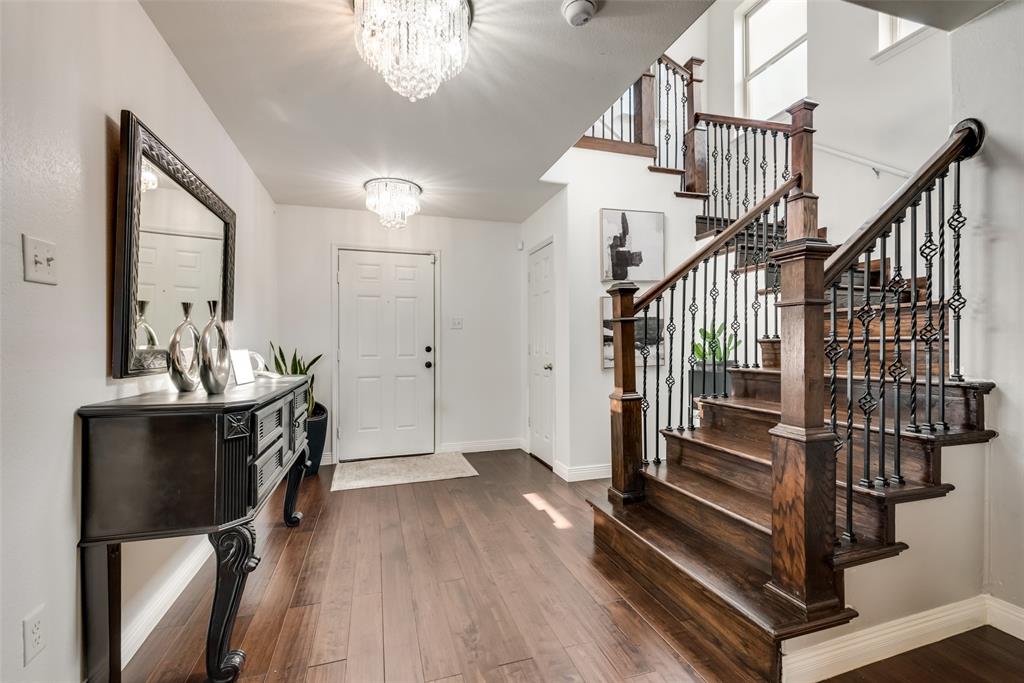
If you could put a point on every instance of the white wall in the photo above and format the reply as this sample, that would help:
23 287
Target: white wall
594 180
68 70
478 369
988 72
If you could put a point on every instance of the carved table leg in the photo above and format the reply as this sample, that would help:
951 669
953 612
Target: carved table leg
291 494
235 559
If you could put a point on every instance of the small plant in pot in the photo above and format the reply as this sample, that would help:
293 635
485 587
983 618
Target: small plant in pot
316 413
715 352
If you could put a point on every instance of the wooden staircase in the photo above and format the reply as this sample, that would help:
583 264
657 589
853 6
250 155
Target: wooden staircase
743 516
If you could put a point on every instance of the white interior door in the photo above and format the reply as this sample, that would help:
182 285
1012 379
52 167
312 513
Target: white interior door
386 354
541 352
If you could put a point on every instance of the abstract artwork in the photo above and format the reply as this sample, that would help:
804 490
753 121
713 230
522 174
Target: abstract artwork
632 245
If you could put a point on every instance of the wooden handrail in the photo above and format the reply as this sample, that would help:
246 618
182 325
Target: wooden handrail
674 65
717 243
742 123
963 143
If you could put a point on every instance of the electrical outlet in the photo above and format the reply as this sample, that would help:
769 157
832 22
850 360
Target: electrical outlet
40 260
32 628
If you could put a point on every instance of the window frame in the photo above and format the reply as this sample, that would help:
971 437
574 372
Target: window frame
747 73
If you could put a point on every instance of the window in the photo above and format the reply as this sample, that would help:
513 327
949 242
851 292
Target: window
892 30
775 56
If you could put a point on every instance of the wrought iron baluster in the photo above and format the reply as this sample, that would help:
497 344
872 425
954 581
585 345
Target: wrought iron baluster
704 337
712 342
738 211
692 359
657 379
670 379
867 401
675 117
713 133
897 370
632 115
668 128
833 352
849 533
776 271
728 175
756 304
764 164
645 353
682 355
913 426
746 295
957 300
929 332
881 480
942 424
725 314
735 275
753 141
766 259
746 172
775 158
686 118
785 148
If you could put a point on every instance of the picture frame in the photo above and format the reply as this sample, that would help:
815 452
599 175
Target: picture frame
632 245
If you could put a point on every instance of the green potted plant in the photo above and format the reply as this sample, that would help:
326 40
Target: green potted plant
316 413
716 352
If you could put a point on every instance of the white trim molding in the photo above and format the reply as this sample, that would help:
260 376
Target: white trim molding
134 634
876 166
480 446
854 650
582 472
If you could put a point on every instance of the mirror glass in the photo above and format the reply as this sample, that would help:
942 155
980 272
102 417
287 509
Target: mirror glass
180 258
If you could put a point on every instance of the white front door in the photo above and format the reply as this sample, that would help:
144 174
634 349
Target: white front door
386 354
541 351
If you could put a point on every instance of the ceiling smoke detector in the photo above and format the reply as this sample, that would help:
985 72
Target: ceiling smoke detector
579 12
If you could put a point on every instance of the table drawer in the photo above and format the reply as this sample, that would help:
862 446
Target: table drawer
270 424
267 471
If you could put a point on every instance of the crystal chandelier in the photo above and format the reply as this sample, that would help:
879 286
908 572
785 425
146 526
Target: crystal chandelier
148 177
393 199
416 45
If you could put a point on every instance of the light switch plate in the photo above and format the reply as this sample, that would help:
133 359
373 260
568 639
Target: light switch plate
456 323
40 259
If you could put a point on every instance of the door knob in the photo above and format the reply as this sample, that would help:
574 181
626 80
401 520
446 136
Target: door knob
428 349
549 366
428 364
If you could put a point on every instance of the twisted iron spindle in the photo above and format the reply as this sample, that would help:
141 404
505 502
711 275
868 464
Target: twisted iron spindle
704 337
897 370
848 533
669 79
764 164
682 355
746 172
712 343
929 332
738 211
725 313
913 426
746 296
867 401
753 141
756 304
714 174
657 379
766 259
728 175
957 302
833 352
775 158
942 424
785 149
670 380
645 353
776 271
881 480
693 345
735 275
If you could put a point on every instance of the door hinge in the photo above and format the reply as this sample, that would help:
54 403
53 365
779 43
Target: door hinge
433 259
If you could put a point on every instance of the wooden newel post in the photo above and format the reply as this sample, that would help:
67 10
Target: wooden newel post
645 108
627 423
803 460
695 161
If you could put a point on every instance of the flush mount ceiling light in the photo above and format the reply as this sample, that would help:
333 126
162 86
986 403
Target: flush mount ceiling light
393 199
416 45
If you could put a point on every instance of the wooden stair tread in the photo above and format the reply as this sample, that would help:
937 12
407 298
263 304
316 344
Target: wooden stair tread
735 582
664 169
982 386
908 491
864 551
746 507
725 441
954 436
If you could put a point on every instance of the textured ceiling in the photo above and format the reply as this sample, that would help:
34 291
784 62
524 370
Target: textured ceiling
315 122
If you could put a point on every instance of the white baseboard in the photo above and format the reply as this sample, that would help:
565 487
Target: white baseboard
134 634
479 446
582 472
875 643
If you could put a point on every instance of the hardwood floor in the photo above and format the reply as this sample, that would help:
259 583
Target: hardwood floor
486 578
984 655
489 578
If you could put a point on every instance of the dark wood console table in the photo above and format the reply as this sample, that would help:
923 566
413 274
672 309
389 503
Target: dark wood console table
167 464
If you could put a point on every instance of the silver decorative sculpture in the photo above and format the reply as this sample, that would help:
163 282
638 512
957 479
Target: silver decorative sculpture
149 339
184 371
214 354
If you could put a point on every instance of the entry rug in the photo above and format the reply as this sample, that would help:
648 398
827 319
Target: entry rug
365 474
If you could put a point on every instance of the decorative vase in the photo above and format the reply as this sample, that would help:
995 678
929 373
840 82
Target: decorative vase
214 354
184 372
149 334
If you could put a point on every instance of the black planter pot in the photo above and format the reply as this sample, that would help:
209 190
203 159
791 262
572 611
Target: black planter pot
704 382
316 433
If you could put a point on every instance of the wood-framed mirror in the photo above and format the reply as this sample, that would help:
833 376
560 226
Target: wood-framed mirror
174 242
